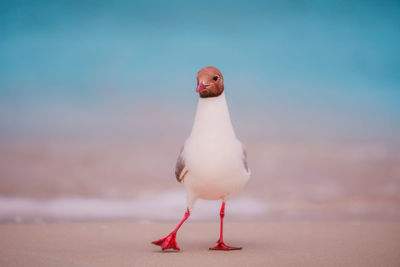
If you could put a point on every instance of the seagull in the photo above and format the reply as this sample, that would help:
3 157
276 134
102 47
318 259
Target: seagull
212 163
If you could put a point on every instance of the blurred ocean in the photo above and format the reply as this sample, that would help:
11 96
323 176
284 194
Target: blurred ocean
76 181
96 98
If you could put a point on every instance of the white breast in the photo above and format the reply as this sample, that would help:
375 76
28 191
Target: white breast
212 153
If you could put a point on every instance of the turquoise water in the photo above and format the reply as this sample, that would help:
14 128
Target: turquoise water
296 68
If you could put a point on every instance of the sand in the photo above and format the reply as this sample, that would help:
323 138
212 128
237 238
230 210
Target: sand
264 244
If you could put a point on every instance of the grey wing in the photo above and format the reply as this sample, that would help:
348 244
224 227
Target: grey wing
244 159
180 168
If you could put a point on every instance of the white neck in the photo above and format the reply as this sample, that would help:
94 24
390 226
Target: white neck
212 119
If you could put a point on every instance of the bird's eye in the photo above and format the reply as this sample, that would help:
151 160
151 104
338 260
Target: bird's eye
215 78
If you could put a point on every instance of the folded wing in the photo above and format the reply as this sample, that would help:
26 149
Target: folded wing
244 159
180 169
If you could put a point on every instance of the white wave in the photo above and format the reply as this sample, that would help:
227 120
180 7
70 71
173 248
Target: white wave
169 205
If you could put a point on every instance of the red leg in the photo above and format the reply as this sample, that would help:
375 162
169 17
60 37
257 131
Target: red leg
169 242
220 243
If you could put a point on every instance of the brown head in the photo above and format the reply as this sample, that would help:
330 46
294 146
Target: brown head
210 82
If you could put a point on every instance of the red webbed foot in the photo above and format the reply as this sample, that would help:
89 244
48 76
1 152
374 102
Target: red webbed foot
168 242
222 246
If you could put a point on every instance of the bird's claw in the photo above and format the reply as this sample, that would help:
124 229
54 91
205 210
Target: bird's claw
168 242
222 246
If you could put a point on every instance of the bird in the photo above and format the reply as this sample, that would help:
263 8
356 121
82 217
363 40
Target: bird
212 163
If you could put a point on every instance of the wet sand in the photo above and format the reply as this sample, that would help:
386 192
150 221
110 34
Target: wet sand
264 244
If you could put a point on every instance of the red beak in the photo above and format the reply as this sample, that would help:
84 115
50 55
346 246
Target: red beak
200 87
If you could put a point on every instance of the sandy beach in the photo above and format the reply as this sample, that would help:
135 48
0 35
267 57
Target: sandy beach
264 244
98 100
